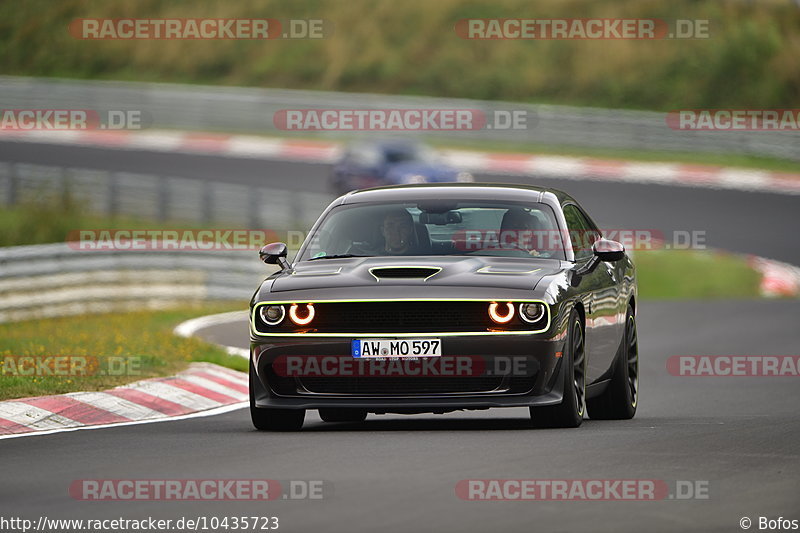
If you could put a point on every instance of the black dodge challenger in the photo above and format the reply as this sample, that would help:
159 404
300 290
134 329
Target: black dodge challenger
441 297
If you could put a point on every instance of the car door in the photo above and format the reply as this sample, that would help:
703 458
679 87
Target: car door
599 292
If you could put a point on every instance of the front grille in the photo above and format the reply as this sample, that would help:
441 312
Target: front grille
401 316
399 386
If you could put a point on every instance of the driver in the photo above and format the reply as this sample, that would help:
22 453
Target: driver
520 230
398 233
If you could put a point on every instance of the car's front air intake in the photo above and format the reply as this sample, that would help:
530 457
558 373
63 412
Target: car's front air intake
411 272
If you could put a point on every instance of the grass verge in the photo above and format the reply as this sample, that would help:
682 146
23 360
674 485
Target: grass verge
135 345
33 222
691 274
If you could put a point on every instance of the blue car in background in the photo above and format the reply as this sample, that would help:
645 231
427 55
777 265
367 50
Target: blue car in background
391 162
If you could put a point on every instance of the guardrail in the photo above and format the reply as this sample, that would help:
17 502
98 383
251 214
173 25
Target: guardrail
54 279
231 109
148 196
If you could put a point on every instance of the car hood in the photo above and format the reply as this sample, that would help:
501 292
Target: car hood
418 274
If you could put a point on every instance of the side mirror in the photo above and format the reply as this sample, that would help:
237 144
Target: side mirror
274 254
607 250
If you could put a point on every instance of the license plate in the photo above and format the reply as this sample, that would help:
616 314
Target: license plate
397 348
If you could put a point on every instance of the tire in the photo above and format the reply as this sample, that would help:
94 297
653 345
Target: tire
270 419
569 413
619 400
343 415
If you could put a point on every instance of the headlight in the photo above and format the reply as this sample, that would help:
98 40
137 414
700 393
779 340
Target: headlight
501 313
272 314
302 315
531 312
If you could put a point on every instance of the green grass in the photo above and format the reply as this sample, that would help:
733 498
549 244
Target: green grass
702 275
384 46
144 336
34 223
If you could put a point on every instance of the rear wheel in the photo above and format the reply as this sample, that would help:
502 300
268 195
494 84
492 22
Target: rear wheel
343 415
619 400
270 419
569 413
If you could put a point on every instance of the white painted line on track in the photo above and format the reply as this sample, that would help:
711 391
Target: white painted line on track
115 405
189 327
34 417
216 387
210 412
177 395
192 326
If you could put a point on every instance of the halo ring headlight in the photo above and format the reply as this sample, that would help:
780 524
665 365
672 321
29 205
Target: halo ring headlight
531 312
272 314
301 319
501 313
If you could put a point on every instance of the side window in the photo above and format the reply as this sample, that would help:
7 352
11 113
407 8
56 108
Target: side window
581 233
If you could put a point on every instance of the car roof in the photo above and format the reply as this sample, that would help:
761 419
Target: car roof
455 191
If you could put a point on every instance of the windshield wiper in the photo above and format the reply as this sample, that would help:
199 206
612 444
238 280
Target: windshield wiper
338 256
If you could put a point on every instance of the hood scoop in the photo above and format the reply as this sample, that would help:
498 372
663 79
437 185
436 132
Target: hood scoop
404 272
489 269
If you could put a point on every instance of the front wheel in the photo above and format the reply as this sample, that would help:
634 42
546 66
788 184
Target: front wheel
619 400
569 413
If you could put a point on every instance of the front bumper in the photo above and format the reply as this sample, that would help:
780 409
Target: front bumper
487 371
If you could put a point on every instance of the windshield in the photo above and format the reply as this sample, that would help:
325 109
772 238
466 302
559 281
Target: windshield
468 228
